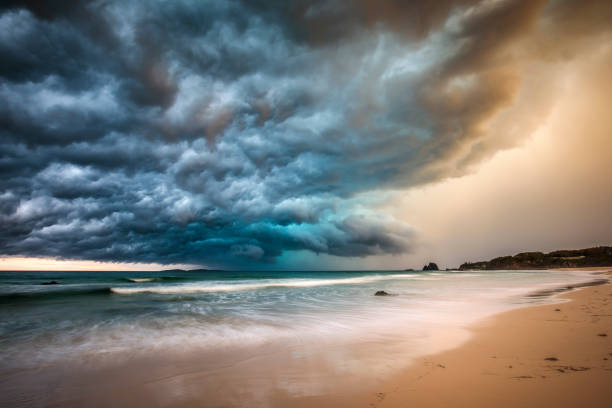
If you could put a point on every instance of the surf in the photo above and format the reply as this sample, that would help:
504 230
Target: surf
293 283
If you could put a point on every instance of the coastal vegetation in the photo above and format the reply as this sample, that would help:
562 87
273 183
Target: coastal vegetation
577 258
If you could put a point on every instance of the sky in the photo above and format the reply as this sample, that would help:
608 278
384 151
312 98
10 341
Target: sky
302 135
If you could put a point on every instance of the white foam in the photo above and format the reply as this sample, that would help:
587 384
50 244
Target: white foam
291 283
140 280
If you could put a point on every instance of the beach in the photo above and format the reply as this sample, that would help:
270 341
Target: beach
306 339
541 356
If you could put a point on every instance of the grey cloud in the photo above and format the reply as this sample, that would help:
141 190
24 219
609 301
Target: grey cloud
324 22
226 133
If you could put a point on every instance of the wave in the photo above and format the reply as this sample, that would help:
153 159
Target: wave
223 287
158 279
52 294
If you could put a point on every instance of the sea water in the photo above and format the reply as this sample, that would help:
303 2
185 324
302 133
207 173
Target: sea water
100 319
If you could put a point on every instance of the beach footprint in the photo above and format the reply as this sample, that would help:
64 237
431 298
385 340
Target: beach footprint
380 396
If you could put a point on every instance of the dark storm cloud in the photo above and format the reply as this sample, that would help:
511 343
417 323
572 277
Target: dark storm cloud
229 132
321 22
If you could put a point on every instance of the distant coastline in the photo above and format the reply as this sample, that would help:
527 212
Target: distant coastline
576 258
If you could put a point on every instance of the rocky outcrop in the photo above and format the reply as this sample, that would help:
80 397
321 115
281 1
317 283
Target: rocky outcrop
578 258
50 283
382 293
431 267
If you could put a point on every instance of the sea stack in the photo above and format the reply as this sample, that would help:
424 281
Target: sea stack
431 267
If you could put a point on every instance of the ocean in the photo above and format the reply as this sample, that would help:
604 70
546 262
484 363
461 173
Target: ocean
293 331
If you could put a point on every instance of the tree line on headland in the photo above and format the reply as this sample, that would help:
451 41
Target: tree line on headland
576 258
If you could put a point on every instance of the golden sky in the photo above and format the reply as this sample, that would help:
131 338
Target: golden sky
553 191
15 263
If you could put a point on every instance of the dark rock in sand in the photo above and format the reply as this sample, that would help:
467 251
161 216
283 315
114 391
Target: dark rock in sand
602 335
431 267
579 368
382 293
551 359
50 283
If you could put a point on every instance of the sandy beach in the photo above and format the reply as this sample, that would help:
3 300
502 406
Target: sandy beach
552 355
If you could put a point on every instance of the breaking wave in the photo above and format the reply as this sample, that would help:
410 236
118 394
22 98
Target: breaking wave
240 286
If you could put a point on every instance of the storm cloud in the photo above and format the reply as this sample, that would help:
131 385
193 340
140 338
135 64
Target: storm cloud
227 133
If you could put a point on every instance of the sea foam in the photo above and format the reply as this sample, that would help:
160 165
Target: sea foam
240 286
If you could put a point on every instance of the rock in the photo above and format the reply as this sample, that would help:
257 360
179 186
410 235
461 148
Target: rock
551 359
431 267
602 335
50 283
579 368
382 293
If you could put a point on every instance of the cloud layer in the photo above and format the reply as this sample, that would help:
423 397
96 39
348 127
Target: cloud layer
225 133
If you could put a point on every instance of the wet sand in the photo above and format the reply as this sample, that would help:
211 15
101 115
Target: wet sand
544 356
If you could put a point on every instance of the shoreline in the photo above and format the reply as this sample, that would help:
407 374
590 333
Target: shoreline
543 355
569 288
363 373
